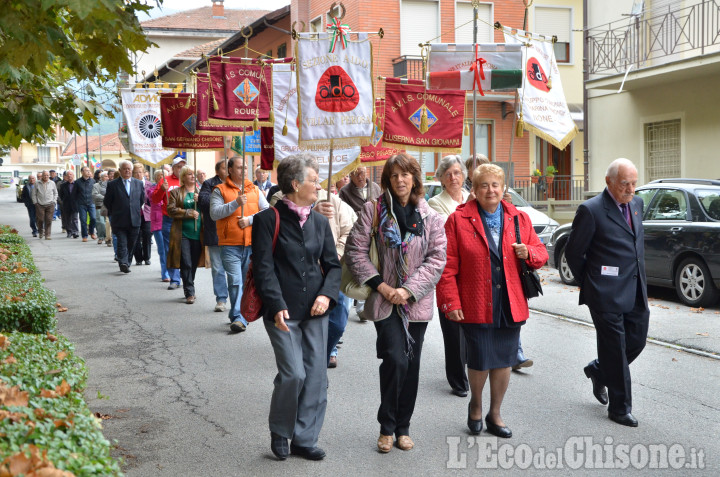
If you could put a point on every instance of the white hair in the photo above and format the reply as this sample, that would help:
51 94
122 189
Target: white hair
125 162
612 170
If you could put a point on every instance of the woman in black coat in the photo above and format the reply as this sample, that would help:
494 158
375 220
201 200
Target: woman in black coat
298 284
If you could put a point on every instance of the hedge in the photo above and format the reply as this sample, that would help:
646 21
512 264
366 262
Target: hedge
42 409
25 304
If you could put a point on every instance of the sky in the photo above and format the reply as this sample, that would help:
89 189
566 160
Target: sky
174 6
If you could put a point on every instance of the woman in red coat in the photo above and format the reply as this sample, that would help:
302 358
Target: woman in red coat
483 292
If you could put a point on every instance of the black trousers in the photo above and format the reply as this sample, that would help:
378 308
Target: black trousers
31 215
399 375
126 238
189 256
620 339
455 353
142 246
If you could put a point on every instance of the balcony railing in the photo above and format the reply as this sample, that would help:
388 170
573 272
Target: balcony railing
409 67
562 187
656 38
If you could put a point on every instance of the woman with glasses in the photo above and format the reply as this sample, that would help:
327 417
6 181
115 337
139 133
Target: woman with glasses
451 173
298 283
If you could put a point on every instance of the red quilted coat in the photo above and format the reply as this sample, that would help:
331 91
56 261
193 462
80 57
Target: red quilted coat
466 284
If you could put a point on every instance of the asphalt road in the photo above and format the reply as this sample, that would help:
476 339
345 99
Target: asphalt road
185 397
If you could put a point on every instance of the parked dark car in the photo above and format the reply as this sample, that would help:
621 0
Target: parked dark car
681 219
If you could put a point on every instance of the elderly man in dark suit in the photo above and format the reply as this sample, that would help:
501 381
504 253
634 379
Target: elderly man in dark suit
606 253
124 199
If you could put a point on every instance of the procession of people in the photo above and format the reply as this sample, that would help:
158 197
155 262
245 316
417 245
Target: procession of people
300 239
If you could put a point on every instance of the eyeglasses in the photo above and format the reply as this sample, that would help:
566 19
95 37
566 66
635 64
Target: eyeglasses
316 181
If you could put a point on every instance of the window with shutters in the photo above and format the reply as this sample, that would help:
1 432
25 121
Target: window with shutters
464 22
419 23
483 140
662 149
282 50
556 21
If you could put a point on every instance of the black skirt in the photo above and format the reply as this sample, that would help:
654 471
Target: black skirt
489 347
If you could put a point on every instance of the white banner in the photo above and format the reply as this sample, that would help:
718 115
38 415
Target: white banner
544 109
141 108
335 89
286 104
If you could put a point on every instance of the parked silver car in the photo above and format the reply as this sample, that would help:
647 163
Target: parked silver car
544 226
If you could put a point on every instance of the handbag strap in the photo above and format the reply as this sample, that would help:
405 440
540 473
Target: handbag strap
277 228
523 266
518 239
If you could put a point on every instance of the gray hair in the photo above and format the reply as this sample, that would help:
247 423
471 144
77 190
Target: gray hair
479 159
103 174
126 162
292 168
447 162
612 170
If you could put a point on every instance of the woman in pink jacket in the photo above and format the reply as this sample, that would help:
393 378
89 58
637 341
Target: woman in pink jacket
483 291
156 222
411 248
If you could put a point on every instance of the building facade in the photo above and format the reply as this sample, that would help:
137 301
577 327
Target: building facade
652 88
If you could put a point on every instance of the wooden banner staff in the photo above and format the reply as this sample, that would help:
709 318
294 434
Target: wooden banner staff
330 173
242 180
195 176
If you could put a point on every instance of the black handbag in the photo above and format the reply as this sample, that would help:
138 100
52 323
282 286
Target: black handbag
528 277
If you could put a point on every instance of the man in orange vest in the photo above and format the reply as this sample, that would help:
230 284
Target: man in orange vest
232 206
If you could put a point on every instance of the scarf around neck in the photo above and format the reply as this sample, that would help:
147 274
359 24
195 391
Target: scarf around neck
302 212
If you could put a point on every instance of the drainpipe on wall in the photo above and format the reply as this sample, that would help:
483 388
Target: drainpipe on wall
586 76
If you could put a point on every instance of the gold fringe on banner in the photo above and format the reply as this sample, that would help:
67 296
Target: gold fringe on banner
410 147
285 130
215 104
187 105
255 124
203 132
238 123
466 129
562 144
520 126
549 83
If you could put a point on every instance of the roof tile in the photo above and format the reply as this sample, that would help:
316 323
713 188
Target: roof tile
202 19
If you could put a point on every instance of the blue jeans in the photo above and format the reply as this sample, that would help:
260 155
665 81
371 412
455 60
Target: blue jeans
173 272
220 286
83 211
235 259
159 243
337 322
520 355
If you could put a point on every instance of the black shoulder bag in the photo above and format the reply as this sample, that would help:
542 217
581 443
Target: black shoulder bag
529 277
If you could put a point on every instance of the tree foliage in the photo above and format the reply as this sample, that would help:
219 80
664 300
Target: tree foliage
48 48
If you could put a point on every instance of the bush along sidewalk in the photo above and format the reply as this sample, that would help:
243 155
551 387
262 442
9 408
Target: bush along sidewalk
46 428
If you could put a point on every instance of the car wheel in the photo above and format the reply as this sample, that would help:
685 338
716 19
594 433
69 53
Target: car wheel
566 275
694 285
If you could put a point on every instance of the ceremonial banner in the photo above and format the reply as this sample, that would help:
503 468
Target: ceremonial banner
252 142
267 149
335 97
177 111
204 128
286 104
484 66
240 94
141 108
544 109
376 154
423 120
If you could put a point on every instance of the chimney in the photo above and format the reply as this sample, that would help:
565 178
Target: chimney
218 9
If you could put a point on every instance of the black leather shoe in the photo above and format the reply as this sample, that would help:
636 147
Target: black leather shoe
459 392
147 262
599 391
624 419
475 425
309 453
496 430
279 446
124 268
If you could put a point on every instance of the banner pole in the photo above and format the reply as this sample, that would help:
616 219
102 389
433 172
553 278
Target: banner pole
242 184
195 176
474 135
330 168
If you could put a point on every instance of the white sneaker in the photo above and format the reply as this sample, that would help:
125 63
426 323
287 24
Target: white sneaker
220 306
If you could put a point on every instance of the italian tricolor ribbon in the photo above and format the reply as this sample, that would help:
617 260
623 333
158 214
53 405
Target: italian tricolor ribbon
477 68
339 31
